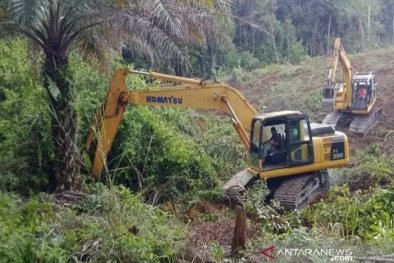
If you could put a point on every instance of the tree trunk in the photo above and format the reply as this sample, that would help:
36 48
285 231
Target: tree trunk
66 162
369 24
362 33
273 38
328 36
239 230
392 35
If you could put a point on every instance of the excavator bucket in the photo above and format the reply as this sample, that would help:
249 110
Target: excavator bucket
328 99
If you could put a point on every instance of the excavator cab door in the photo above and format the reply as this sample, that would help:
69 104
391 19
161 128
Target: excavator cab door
372 90
299 143
256 134
260 132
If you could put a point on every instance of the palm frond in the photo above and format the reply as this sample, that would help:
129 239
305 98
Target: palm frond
140 27
158 28
143 48
197 25
24 12
164 13
94 51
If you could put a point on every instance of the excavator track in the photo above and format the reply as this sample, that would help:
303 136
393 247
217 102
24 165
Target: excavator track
357 123
297 192
363 124
233 188
332 119
294 193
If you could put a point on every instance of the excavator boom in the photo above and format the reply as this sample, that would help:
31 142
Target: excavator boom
196 94
338 92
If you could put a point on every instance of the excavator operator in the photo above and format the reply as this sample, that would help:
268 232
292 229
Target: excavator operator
274 144
362 92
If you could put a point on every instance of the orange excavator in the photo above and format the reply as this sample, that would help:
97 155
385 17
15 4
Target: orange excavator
294 173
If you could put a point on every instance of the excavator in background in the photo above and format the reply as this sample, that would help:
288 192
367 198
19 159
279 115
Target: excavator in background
294 173
350 104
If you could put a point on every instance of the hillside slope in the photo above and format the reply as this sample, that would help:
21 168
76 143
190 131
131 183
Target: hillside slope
299 87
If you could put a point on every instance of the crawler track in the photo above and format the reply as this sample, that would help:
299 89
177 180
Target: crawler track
363 124
332 118
358 124
297 192
233 188
294 192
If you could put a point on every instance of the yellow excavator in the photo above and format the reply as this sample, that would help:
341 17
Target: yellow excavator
352 103
294 173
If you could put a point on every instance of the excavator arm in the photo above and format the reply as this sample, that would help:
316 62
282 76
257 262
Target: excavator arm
193 94
337 93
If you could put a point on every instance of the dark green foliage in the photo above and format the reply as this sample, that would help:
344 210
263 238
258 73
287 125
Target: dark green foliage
25 143
281 31
155 155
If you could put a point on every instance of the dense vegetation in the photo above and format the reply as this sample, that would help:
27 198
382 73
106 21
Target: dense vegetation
165 161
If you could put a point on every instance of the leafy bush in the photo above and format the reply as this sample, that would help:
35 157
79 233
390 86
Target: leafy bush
296 53
112 225
25 143
363 213
370 167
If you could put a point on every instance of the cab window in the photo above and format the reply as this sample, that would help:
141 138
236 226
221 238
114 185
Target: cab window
298 140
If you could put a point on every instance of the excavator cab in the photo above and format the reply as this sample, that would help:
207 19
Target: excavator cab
364 90
295 142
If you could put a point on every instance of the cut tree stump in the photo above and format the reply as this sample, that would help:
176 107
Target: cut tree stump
239 230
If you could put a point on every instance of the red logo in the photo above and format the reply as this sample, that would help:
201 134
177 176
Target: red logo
268 252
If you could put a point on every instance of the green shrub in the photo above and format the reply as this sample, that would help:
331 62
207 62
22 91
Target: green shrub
40 231
25 143
363 213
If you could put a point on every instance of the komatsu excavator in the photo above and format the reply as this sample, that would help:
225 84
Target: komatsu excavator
350 103
294 173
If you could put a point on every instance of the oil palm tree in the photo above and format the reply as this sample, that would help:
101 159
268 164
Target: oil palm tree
95 26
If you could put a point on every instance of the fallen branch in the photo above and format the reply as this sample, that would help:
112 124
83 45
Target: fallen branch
71 194
68 198
387 135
